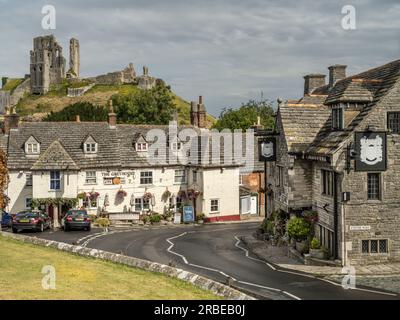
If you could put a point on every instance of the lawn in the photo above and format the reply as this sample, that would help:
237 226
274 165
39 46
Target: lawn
82 278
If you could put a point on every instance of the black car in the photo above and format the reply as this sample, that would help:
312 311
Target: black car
5 219
76 219
30 220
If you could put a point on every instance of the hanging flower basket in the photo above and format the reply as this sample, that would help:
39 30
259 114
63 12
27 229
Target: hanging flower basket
121 193
166 195
182 195
192 194
147 196
93 195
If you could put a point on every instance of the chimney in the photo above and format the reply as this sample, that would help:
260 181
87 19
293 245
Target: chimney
112 117
11 121
194 120
336 72
78 118
201 113
313 81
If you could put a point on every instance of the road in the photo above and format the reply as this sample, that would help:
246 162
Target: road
215 252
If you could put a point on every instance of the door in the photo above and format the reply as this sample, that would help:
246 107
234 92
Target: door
253 205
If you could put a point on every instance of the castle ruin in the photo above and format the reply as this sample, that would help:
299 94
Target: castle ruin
74 59
47 64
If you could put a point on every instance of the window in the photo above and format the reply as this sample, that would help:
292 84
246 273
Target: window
91 147
374 186
176 146
337 118
28 203
28 180
280 176
32 148
146 177
374 246
142 204
194 176
241 179
180 176
214 205
327 182
245 205
90 203
393 122
91 177
326 238
141 146
55 180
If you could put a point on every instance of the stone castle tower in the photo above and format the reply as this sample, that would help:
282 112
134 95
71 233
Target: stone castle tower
198 113
74 59
47 65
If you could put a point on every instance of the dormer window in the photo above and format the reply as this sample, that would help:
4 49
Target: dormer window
337 118
32 146
90 146
141 146
176 146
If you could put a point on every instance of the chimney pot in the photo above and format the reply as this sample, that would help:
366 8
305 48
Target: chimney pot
11 121
313 81
336 72
200 99
112 117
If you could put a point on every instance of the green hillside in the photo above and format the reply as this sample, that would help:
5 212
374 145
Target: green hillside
56 99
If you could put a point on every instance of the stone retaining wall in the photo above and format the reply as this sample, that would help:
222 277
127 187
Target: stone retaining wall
199 281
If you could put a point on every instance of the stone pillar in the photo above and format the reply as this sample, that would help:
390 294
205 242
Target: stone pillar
201 113
112 117
74 57
55 217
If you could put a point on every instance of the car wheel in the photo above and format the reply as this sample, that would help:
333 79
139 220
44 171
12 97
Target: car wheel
66 228
88 228
14 230
41 227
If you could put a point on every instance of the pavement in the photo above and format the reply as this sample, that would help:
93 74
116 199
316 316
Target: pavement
216 251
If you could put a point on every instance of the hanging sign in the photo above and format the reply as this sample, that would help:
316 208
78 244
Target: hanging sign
370 151
267 149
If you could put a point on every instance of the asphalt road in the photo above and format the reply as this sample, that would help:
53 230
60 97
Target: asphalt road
215 252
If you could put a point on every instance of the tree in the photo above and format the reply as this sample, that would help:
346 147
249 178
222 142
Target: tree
246 116
154 106
3 179
85 110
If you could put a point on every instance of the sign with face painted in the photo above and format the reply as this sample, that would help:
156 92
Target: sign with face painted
267 149
371 151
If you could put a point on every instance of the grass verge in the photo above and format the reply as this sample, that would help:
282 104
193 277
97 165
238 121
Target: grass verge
79 278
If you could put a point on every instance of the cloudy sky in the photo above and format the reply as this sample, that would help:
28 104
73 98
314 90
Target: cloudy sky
228 51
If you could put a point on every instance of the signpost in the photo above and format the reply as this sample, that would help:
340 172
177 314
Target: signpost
370 151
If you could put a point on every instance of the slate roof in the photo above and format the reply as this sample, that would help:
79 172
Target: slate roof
301 123
308 128
61 145
55 158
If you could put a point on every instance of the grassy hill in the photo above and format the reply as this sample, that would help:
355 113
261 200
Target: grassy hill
56 99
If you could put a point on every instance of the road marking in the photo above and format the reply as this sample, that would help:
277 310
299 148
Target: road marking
307 275
221 272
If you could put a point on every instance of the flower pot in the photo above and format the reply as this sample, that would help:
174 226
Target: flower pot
301 246
200 221
317 253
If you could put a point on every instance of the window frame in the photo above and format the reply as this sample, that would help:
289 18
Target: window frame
55 180
280 179
378 246
143 147
26 203
218 205
397 118
32 148
327 183
91 147
150 177
337 115
28 179
182 176
378 187
87 178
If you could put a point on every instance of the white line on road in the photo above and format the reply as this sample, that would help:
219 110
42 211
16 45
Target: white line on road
221 272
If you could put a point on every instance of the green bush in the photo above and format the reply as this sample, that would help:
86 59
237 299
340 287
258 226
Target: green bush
267 226
155 218
200 216
315 244
145 219
103 222
298 229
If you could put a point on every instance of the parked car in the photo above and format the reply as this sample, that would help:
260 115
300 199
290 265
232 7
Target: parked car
5 219
30 220
76 219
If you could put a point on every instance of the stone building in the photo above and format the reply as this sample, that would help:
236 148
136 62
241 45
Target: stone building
145 81
47 64
198 115
125 76
324 166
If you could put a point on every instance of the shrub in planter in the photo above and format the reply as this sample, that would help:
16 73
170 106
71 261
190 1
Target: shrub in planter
103 222
298 229
156 218
145 219
315 249
267 226
200 217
